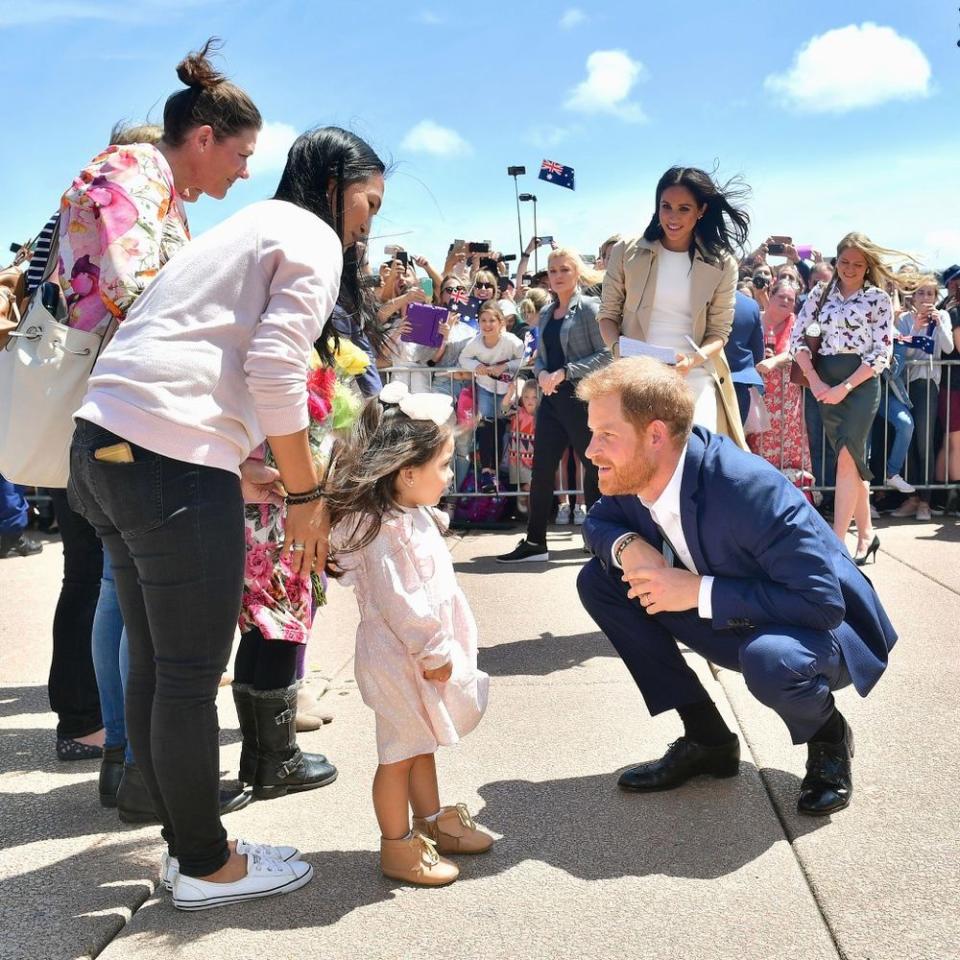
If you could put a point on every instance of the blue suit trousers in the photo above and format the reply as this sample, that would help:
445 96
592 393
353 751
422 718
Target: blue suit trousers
793 670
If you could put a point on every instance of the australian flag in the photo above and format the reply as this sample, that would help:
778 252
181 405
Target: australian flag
468 308
557 173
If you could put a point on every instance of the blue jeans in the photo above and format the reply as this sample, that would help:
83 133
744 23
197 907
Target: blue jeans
111 660
13 509
898 415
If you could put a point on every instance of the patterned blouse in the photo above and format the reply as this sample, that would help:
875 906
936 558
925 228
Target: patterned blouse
120 221
862 323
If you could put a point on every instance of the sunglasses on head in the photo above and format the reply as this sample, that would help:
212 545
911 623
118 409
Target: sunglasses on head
484 286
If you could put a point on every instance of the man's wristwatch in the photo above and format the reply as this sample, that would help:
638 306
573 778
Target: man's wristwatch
622 545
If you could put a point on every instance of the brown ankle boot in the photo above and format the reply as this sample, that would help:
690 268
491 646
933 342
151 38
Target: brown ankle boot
414 859
454 831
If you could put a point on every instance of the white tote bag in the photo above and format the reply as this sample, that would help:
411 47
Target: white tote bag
44 369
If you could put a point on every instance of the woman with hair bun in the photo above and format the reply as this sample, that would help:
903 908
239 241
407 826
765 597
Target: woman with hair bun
120 221
676 284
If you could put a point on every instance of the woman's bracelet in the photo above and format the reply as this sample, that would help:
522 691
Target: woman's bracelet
295 499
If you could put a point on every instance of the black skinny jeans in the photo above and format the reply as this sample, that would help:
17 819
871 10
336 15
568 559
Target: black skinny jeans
561 423
265 664
922 455
174 532
72 686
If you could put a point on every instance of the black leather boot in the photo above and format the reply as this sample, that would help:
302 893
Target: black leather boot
247 716
111 772
134 804
281 767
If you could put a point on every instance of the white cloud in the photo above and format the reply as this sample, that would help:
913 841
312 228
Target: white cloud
853 67
429 137
572 18
273 144
611 75
429 18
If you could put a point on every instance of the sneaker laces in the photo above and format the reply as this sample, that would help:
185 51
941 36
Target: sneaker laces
262 864
428 849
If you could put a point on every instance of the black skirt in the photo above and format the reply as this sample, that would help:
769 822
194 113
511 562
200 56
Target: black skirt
848 423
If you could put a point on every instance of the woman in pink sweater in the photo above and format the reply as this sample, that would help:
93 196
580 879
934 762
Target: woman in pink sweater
211 361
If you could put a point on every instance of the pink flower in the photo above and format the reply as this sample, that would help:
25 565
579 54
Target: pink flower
321 383
118 213
259 563
294 632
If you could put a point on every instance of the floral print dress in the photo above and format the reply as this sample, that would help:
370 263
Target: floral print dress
276 601
121 220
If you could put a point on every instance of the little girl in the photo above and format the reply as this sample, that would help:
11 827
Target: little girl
520 440
416 654
494 356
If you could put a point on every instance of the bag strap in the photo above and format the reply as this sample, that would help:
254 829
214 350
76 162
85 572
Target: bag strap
53 255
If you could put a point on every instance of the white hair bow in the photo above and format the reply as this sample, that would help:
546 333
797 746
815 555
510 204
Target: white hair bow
437 407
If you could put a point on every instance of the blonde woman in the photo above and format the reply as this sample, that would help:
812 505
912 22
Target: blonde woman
570 346
851 318
676 283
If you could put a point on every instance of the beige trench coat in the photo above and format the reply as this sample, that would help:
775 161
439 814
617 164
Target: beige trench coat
629 287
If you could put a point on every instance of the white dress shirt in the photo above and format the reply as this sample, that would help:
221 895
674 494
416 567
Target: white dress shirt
665 511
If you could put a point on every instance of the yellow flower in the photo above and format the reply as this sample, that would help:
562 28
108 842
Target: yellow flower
351 361
314 360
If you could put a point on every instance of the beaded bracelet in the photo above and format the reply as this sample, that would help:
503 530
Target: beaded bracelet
295 499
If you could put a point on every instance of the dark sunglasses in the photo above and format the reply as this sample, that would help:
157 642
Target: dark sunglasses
453 289
484 286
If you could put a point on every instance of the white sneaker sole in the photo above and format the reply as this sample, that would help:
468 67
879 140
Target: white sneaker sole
210 903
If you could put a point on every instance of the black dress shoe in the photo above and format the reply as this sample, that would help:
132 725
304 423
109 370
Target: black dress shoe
684 759
111 773
233 799
828 785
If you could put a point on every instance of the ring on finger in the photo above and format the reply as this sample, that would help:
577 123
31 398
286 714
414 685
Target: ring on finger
298 546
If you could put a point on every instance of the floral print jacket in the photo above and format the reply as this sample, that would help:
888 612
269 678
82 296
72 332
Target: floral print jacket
862 323
120 222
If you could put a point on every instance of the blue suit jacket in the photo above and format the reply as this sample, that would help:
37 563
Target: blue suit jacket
775 560
744 348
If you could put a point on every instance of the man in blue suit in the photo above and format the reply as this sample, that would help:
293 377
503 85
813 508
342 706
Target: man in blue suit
697 541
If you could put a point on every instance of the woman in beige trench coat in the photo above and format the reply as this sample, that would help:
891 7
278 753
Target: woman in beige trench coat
678 281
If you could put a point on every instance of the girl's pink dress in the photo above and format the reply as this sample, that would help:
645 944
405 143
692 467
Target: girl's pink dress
414 617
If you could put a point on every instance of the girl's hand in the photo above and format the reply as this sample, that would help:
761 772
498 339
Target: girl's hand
260 483
685 363
440 674
817 387
306 537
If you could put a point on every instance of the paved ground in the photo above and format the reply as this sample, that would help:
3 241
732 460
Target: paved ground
719 869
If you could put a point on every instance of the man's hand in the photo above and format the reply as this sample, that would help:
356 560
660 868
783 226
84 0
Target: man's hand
670 590
640 555
440 674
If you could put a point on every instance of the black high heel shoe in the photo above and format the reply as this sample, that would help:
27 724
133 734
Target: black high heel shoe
860 559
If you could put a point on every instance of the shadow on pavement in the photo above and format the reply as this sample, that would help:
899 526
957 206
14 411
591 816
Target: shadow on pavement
543 655
24 699
584 826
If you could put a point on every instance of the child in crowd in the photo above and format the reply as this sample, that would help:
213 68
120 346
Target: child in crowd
494 356
416 654
520 440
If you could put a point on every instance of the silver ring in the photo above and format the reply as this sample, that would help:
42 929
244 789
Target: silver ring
299 546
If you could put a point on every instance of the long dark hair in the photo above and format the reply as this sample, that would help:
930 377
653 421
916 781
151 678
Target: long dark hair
317 157
723 228
359 488
210 99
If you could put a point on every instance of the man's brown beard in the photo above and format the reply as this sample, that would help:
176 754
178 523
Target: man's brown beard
625 482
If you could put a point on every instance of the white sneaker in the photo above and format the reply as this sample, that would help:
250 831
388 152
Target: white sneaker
170 866
898 483
908 508
563 513
265 877
579 515
923 512
874 513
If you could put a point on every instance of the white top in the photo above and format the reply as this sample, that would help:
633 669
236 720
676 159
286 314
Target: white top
926 369
508 349
665 511
671 317
213 356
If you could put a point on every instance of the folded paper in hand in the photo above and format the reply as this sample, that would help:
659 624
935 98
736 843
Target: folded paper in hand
640 348
424 323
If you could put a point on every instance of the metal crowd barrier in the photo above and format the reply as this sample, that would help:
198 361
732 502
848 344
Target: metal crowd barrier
919 469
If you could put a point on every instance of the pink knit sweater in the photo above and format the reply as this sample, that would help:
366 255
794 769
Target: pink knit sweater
213 356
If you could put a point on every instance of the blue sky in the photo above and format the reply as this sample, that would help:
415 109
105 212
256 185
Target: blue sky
840 116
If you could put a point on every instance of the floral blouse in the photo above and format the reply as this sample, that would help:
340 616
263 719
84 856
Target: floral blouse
862 323
121 221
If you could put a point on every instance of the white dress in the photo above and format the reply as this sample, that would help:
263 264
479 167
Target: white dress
413 617
671 318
